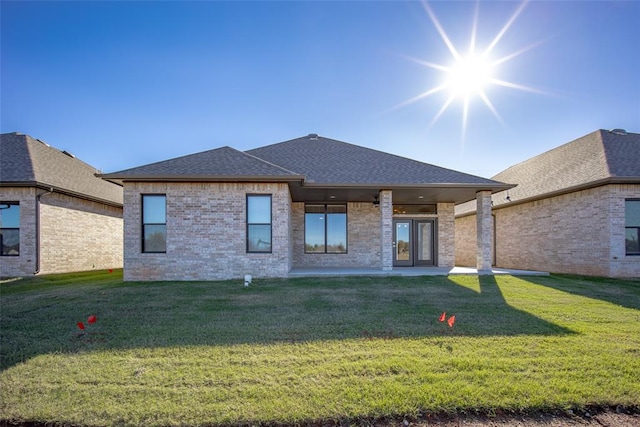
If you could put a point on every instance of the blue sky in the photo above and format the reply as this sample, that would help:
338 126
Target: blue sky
121 84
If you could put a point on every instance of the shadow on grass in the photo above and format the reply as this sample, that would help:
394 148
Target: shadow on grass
41 320
623 292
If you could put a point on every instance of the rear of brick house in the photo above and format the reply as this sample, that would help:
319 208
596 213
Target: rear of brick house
56 215
310 202
575 210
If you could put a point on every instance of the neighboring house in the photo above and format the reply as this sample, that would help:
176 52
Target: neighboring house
576 209
304 203
56 215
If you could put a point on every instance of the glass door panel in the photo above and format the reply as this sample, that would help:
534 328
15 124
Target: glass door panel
402 243
424 243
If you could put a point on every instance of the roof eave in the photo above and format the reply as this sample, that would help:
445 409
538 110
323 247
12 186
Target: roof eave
592 184
55 189
197 178
497 187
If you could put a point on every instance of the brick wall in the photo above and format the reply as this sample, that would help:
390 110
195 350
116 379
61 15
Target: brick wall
576 233
446 235
363 239
79 235
75 234
465 241
206 232
25 263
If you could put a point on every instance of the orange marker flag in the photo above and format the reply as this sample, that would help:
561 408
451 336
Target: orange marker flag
92 319
443 316
451 321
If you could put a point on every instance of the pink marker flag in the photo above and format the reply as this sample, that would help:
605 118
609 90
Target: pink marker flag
443 316
92 319
80 325
451 321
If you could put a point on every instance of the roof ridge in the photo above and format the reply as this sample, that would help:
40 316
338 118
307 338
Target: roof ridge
269 163
361 147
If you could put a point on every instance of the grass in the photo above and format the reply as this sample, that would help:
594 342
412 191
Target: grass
312 350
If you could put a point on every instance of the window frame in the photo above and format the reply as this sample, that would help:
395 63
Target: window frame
143 224
2 254
249 224
631 227
326 222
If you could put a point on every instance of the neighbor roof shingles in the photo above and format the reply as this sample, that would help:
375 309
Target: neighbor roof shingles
27 161
595 158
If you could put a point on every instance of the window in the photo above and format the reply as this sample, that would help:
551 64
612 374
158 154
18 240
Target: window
632 226
154 223
325 229
10 228
259 223
415 209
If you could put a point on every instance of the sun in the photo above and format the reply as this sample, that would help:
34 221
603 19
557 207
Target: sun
469 76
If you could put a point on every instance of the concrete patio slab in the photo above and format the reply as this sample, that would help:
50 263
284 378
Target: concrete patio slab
408 271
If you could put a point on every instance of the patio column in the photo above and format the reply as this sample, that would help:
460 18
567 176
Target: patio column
386 229
484 228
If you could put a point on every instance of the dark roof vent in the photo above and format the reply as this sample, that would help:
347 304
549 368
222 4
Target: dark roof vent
618 131
313 136
68 154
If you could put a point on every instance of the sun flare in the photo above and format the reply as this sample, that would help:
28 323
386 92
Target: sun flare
469 76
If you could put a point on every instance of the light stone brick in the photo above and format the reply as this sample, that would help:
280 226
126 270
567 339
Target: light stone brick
75 234
206 232
576 233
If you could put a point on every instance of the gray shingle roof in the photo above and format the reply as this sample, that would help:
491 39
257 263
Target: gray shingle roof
599 157
327 161
27 161
223 163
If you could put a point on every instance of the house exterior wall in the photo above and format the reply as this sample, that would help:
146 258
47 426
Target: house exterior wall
575 233
364 233
363 239
79 235
24 264
206 232
75 234
465 241
446 235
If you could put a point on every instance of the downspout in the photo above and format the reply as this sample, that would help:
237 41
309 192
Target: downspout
37 270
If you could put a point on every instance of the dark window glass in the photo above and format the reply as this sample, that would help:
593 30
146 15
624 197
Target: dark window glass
314 232
9 229
415 209
154 223
632 227
325 229
259 223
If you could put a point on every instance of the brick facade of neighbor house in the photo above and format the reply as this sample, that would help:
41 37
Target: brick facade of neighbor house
75 234
465 241
206 232
70 219
79 235
575 233
24 264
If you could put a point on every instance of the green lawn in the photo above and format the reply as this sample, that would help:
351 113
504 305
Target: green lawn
312 350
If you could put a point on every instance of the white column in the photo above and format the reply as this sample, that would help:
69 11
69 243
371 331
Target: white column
386 229
484 228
